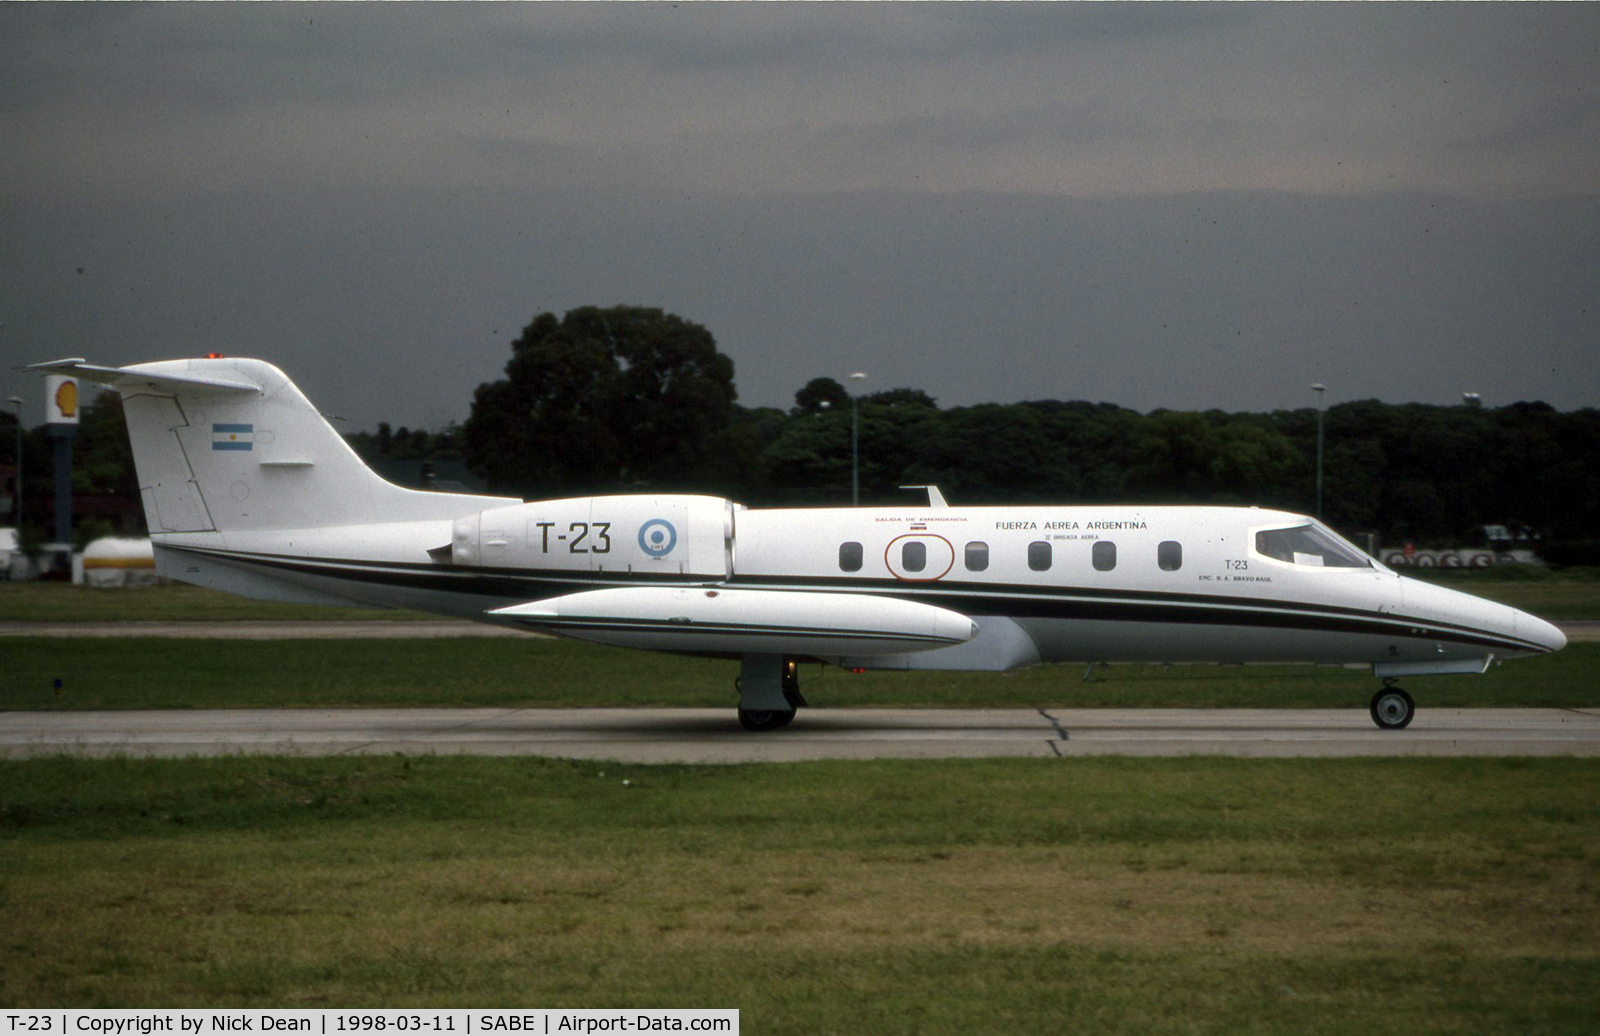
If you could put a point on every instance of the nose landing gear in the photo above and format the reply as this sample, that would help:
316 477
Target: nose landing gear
1392 708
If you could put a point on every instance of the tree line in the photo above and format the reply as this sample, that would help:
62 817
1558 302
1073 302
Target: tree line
630 399
1431 474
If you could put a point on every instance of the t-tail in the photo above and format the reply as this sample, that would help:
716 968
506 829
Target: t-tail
231 444
227 446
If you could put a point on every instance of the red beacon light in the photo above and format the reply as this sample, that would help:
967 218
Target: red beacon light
214 356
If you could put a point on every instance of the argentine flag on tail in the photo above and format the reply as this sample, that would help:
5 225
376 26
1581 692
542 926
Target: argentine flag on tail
232 436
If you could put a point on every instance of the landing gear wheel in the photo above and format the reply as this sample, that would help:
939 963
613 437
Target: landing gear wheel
1392 709
769 692
763 720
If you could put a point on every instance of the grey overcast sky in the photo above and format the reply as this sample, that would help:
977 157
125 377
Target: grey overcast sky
1184 206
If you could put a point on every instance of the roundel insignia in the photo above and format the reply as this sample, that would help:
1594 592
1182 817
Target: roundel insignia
657 537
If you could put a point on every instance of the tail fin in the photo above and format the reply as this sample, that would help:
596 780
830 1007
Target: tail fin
222 444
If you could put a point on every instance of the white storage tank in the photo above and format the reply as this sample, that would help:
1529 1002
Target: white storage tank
119 561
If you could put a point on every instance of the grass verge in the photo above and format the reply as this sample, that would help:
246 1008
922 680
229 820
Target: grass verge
1107 895
135 673
171 602
1570 593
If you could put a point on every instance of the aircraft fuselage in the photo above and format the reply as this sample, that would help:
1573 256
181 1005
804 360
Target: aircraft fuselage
1044 584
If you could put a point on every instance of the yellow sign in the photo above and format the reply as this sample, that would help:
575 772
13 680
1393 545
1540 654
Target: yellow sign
61 400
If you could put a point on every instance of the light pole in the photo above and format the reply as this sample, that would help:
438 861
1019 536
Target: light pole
855 440
1319 389
16 401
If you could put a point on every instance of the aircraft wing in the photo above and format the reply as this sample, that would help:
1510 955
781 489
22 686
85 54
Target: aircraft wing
730 621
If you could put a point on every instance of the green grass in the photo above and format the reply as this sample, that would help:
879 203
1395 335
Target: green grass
1572 593
137 673
172 602
1103 895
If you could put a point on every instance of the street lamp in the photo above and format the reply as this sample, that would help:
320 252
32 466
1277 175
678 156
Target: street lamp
1319 389
855 440
16 401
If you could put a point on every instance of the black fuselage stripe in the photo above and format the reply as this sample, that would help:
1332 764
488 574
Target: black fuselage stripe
1156 606
966 598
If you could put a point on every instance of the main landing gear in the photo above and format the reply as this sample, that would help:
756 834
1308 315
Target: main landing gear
769 692
1392 708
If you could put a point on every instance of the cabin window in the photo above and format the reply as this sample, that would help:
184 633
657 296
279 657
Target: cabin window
1104 556
1039 556
977 556
850 557
1169 555
1310 545
914 556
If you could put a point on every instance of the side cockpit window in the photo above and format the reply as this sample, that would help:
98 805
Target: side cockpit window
1311 546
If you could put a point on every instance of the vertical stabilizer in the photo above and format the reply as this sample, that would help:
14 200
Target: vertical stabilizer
225 444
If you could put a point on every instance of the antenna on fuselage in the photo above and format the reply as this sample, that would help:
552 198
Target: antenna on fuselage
935 498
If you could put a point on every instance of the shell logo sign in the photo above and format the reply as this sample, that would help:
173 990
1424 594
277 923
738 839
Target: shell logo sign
61 400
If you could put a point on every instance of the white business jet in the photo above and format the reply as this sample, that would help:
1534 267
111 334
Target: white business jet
248 489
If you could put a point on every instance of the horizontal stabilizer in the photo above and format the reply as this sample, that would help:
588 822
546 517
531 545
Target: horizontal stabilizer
740 622
126 378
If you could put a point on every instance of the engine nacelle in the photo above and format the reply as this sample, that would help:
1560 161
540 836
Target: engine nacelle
669 535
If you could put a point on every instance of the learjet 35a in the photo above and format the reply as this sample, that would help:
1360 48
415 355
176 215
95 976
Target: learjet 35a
248 489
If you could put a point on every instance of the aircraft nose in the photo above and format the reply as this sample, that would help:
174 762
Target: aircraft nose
1493 619
1547 635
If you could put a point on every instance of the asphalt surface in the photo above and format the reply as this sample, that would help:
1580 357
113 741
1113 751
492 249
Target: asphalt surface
714 736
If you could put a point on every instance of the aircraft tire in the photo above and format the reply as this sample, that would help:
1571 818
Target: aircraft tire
762 720
1393 709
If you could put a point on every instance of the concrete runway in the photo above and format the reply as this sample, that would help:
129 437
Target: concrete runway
713 735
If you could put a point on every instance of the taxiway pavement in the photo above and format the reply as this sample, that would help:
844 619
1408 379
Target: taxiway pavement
714 736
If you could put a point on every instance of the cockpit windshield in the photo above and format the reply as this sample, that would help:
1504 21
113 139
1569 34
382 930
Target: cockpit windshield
1310 545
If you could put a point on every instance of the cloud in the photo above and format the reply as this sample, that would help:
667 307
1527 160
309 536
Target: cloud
984 201
1055 99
